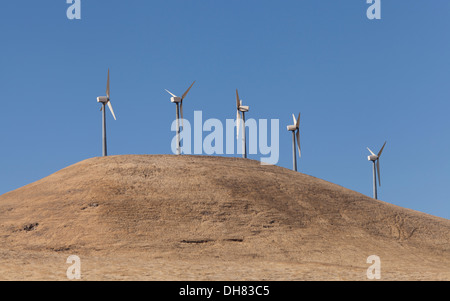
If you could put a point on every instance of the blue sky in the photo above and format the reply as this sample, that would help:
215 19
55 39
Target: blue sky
357 83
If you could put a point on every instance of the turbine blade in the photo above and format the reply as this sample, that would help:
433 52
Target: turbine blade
181 113
371 151
297 124
101 108
298 143
111 109
293 118
238 103
185 93
381 150
170 93
378 172
243 127
107 86
238 119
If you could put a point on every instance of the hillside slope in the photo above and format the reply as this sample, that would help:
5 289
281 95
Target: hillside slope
199 218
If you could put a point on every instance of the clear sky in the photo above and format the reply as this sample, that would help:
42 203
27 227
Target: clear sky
357 83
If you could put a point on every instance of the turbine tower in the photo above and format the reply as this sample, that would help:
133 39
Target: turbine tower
179 102
104 100
376 170
295 134
240 115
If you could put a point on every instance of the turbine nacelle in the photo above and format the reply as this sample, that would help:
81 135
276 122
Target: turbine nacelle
175 99
102 99
291 128
239 105
296 124
372 158
244 108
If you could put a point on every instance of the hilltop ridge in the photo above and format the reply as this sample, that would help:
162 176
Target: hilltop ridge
201 218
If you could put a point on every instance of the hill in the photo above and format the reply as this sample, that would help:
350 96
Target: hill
162 217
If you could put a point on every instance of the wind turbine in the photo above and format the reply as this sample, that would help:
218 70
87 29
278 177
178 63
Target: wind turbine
376 171
104 100
295 128
240 115
179 102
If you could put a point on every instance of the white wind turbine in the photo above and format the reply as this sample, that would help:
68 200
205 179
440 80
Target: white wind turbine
240 116
105 100
179 102
295 134
376 170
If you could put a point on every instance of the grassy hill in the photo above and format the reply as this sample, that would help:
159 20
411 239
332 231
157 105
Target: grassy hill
163 217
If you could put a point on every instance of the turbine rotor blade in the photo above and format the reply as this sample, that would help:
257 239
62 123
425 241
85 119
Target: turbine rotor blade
185 93
297 124
170 93
107 86
181 113
111 109
293 118
238 117
238 103
243 127
298 143
381 150
371 151
378 172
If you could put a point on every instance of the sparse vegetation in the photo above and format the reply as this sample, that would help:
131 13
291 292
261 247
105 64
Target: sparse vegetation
219 219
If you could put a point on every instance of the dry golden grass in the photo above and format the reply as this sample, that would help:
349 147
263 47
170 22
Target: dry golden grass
210 218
